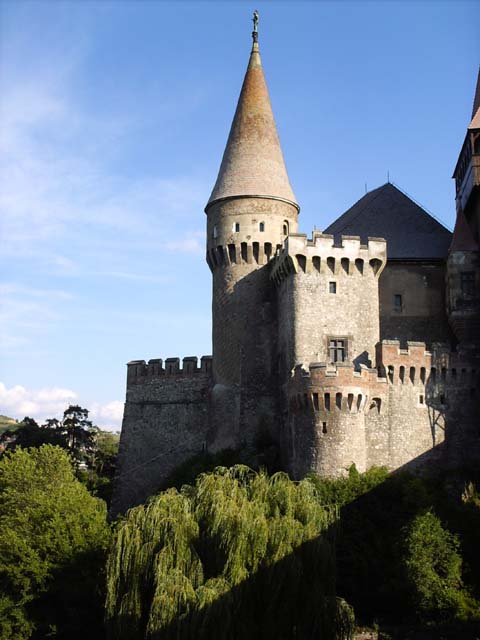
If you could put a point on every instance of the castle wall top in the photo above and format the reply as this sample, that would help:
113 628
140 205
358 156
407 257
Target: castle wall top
321 254
139 371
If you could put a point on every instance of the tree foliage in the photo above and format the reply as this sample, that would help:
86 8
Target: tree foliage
53 535
238 555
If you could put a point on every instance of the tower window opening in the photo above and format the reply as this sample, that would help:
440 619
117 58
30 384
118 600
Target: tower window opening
338 400
236 227
332 287
336 350
421 399
467 284
316 405
397 303
324 427
442 399
327 401
215 231
261 227
375 405
285 228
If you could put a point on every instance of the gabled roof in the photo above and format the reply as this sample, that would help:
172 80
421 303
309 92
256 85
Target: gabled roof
253 163
386 212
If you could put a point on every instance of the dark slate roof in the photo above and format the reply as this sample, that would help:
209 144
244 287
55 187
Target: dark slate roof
386 212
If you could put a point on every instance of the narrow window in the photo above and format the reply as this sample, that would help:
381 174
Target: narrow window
467 284
442 399
332 287
350 401
397 303
215 232
336 350
236 227
375 405
316 406
327 402
421 399
285 228
324 427
338 400
261 227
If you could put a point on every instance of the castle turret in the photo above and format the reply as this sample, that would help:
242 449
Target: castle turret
463 264
250 212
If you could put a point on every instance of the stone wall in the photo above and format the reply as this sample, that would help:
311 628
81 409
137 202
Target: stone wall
166 421
327 291
422 314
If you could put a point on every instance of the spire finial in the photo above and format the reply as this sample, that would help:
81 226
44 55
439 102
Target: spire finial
255 19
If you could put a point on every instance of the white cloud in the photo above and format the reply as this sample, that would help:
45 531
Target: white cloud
40 404
18 402
108 415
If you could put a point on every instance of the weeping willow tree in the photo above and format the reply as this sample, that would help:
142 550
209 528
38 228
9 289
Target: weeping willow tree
239 555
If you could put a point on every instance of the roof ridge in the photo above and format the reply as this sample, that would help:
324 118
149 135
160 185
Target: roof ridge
420 205
362 209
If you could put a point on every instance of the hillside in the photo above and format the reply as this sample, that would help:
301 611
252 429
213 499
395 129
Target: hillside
7 423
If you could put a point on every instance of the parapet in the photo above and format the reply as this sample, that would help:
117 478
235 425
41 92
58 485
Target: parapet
139 371
319 386
417 365
338 374
321 255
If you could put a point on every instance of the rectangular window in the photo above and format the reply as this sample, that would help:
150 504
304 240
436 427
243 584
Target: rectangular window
236 227
336 350
467 283
332 287
397 303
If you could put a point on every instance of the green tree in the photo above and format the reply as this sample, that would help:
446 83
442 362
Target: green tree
434 569
53 537
29 434
238 555
79 432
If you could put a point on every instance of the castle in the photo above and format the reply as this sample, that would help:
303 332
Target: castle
356 345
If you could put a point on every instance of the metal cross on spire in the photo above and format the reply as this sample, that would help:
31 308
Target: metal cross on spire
255 25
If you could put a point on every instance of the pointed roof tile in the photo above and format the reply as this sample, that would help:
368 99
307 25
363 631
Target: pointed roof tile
253 163
463 239
386 212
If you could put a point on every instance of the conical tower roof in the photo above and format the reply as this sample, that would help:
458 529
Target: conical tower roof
475 123
253 163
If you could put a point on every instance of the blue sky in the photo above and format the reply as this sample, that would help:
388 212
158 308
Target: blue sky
113 120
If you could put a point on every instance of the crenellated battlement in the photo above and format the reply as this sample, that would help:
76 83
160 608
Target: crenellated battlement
417 365
241 253
139 371
320 386
321 255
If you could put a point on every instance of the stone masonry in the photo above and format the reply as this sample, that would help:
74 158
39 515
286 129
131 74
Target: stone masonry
357 345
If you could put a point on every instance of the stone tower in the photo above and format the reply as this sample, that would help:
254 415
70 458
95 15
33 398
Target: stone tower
251 211
463 264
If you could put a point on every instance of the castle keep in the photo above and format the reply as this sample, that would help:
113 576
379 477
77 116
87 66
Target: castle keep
356 345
